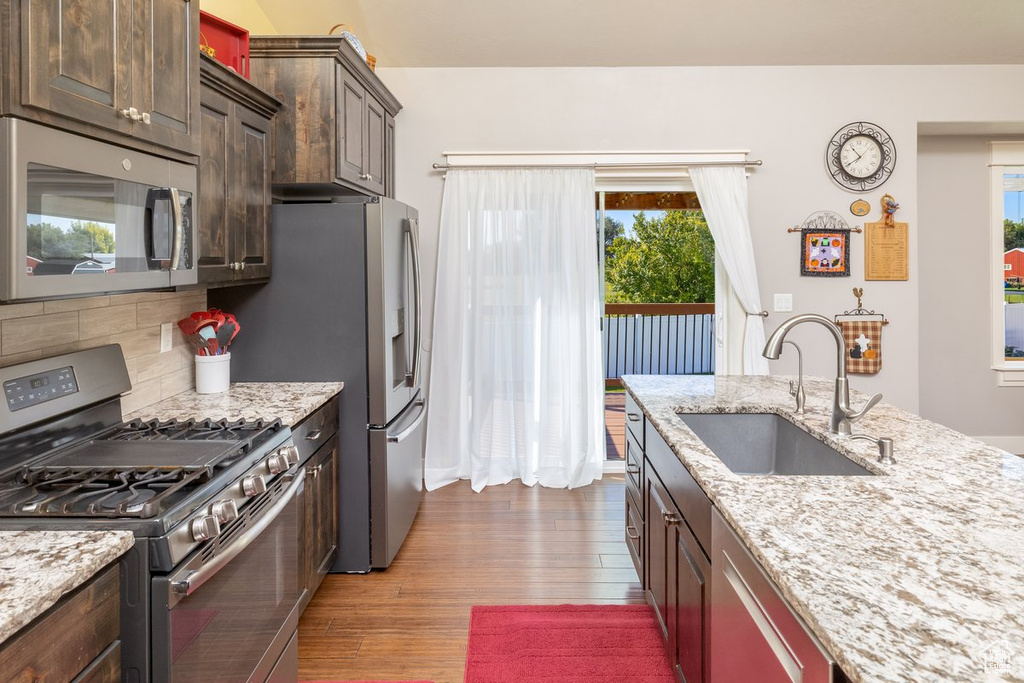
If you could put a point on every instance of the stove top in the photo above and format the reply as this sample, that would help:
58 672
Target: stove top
138 469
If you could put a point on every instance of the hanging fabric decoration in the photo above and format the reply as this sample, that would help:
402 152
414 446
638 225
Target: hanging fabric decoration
862 331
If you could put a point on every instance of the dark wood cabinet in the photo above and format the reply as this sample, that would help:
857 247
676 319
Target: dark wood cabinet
234 178
321 515
127 68
78 638
316 437
335 133
678 574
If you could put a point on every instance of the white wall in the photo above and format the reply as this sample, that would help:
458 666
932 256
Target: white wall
958 388
784 115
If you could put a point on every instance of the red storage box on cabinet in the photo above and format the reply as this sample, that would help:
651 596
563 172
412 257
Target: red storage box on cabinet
229 43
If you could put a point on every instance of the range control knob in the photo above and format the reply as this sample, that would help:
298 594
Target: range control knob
224 510
277 463
291 453
204 528
254 485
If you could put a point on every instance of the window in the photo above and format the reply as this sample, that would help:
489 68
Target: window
1008 262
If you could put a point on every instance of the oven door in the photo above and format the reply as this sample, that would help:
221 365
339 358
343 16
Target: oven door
228 613
84 217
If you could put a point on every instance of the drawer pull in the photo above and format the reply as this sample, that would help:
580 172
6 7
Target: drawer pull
632 532
671 518
314 435
633 417
633 469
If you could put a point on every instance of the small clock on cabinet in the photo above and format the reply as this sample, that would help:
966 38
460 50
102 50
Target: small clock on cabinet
860 156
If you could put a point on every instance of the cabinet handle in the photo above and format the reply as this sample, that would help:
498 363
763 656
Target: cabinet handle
633 417
633 469
315 471
233 266
671 518
366 176
632 532
145 117
314 435
132 114
241 265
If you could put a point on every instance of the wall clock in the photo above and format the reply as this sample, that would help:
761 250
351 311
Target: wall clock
860 156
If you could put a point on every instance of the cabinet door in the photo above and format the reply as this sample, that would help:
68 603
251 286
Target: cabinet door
689 598
635 534
216 211
327 508
389 156
351 123
166 71
373 167
660 545
251 234
76 59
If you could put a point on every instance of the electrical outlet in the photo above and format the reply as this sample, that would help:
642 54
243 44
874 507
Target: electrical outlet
165 337
783 302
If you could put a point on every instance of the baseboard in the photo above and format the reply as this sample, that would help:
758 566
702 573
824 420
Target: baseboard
1013 444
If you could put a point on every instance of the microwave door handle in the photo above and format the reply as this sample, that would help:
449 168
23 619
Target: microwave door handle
412 379
179 229
151 198
190 583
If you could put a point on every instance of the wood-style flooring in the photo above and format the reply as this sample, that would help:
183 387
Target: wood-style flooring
506 545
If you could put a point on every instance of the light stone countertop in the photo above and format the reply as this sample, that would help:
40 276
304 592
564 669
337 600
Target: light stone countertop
913 575
290 402
37 568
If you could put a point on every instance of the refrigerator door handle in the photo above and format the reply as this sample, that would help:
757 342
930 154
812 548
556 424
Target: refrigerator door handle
402 435
412 377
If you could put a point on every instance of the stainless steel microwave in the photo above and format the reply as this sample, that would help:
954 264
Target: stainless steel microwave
84 217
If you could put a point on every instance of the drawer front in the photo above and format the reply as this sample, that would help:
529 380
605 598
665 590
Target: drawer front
635 492
66 639
635 535
634 463
685 492
317 429
104 669
635 421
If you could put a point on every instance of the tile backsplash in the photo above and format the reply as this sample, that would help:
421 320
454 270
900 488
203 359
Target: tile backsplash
34 330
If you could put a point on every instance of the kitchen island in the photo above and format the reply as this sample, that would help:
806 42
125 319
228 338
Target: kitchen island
915 574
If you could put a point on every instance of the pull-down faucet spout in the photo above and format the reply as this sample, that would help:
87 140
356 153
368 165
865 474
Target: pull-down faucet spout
842 415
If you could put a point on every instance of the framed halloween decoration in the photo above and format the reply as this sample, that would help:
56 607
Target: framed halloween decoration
825 253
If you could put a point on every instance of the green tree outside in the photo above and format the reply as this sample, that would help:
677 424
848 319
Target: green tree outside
613 229
1013 234
668 260
81 240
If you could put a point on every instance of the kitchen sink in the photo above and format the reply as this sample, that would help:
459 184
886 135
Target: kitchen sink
765 444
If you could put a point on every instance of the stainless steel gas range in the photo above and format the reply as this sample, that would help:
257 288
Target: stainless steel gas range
210 589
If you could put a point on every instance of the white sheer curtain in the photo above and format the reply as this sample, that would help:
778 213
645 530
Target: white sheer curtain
722 192
516 388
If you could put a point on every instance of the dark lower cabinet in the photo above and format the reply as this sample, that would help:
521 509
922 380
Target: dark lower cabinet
321 516
234 178
677 583
78 638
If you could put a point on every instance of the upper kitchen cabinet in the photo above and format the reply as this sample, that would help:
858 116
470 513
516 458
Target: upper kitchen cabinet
234 177
122 70
335 133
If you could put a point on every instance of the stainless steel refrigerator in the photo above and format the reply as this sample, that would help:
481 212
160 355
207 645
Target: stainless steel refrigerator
342 304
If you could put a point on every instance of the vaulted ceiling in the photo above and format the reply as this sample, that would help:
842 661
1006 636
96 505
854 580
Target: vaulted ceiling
467 33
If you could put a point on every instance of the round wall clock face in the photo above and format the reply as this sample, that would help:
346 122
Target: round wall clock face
860 156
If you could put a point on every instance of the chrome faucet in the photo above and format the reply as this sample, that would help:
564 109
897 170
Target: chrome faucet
842 415
797 390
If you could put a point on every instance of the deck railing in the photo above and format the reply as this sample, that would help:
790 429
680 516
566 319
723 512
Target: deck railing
658 339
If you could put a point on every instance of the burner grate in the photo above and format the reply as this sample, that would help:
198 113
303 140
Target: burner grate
189 430
100 492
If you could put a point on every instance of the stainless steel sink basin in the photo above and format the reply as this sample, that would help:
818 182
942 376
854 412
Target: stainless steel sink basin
760 444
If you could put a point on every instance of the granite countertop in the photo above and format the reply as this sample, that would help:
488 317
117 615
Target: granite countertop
913 575
289 401
38 567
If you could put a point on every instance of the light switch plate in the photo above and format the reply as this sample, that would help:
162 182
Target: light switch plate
783 302
165 337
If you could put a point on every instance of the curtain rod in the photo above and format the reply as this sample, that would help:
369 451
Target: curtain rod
755 162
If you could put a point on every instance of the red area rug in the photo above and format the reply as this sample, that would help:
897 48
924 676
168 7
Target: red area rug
565 643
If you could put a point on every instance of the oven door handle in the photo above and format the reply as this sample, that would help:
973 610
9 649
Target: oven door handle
194 579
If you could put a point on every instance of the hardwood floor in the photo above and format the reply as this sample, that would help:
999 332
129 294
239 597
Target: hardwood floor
506 545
